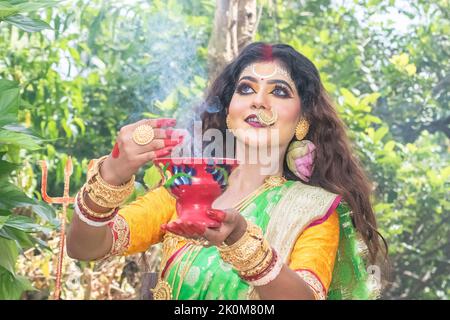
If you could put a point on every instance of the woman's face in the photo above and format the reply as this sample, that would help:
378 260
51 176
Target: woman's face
265 86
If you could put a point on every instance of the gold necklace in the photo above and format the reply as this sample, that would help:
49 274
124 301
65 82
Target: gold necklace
269 182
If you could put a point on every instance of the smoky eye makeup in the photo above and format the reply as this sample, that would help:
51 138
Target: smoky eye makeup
281 91
244 88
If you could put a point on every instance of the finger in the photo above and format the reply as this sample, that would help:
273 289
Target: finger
149 156
169 133
175 133
174 228
161 122
216 215
184 228
231 216
195 229
215 236
158 144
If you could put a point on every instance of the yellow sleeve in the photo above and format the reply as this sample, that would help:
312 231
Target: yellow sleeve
314 254
144 217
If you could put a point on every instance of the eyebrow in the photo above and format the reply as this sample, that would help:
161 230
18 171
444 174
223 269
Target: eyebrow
252 79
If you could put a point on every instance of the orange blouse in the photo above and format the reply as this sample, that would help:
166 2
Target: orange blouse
139 227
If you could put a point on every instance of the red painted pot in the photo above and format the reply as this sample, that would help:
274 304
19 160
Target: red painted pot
195 183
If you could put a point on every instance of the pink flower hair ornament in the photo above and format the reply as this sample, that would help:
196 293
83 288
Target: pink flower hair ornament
300 158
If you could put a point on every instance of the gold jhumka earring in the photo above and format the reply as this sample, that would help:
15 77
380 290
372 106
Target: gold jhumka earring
302 129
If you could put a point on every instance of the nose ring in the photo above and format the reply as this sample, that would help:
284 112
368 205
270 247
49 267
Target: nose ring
266 119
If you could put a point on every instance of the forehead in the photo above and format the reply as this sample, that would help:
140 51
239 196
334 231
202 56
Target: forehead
266 69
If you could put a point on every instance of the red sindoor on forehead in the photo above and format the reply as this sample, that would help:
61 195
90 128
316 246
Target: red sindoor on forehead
267 52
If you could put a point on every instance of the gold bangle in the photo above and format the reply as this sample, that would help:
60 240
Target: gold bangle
250 247
258 259
252 230
89 211
103 193
259 268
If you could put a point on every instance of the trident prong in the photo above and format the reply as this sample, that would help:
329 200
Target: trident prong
65 200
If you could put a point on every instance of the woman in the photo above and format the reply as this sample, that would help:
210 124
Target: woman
295 233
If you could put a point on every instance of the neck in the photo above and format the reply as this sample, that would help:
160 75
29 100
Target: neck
251 173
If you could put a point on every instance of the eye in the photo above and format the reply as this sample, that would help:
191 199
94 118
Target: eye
244 89
281 91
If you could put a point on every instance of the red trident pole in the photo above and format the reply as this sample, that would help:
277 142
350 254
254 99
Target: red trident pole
65 200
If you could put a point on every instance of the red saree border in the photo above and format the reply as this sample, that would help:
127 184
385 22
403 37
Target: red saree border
170 260
327 215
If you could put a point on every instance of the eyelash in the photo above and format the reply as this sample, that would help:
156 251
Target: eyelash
242 86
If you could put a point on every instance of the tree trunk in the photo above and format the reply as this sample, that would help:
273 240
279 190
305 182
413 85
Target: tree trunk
234 28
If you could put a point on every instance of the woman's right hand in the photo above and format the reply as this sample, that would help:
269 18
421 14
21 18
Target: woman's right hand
120 168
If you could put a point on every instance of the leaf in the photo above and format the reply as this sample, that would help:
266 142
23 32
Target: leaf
34 6
75 55
349 97
380 133
24 240
12 287
3 220
410 69
370 99
389 146
6 168
150 115
80 124
9 102
169 103
20 139
6 9
26 23
152 177
25 224
12 197
8 254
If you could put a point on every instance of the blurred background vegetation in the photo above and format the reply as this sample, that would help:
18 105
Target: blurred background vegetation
73 72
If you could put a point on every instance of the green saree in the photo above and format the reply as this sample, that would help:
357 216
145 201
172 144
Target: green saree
199 273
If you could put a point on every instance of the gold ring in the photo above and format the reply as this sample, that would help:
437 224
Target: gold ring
264 118
143 134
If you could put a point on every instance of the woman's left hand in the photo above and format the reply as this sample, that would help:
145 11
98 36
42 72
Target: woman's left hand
229 226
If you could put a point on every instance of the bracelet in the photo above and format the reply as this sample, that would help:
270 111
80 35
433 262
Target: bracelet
271 274
252 231
239 253
103 193
89 212
89 221
261 266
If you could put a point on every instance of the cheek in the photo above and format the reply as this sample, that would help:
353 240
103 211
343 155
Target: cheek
237 105
287 122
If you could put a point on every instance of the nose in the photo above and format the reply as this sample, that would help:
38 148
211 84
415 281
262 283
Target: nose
261 101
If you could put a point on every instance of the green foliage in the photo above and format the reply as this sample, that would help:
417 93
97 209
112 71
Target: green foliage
16 231
389 87
98 65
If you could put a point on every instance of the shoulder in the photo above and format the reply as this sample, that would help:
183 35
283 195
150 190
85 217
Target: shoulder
305 190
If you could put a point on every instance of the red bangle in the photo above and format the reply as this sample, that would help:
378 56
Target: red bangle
91 217
265 271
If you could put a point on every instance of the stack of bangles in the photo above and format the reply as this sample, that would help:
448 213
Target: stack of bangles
254 259
102 194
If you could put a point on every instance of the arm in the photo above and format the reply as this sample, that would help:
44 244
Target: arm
135 229
86 242
308 275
